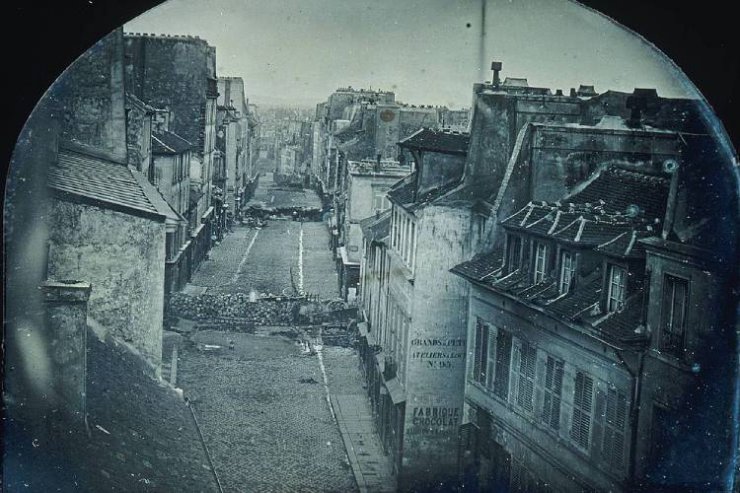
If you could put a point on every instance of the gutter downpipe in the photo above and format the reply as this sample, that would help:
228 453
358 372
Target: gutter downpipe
634 410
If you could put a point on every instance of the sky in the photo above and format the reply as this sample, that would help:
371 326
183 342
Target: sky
297 52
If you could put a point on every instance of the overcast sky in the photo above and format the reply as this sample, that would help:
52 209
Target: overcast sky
427 51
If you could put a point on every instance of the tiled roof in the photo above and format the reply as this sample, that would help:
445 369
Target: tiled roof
376 228
480 267
619 189
83 172
577 303
166 142
156 198
143 437
624 324
403 191
444 141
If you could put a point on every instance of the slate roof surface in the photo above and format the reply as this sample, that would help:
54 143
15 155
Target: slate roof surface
443 141
156 198
167 142
480 266
619 188
376 228
143 437
403 193
82 172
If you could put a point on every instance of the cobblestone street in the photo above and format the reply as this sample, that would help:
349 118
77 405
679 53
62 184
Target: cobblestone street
265 260
263 410
264 406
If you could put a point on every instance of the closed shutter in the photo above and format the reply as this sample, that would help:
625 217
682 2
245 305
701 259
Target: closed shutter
503 364
516 358
614 428
477 358
582 409
598 421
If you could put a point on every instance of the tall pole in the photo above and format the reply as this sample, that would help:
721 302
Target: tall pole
482 47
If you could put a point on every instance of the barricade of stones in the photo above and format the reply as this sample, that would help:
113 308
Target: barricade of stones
240 308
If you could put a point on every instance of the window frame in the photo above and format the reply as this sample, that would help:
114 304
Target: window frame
677 348
584 408
539 275
612 303
570 267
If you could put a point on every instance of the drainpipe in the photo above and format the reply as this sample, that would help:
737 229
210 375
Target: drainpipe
634 410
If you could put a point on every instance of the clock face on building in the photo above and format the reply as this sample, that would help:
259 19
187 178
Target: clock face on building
387 115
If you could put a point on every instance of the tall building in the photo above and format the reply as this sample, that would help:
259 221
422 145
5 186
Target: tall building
178 74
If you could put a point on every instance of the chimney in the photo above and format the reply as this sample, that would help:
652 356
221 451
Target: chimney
66 321
573 93
638 103
496 67
559 92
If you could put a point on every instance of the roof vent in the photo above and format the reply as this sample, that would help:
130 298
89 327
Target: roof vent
633 210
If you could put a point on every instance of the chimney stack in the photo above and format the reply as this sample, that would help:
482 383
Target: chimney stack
638 103
496 67
66 321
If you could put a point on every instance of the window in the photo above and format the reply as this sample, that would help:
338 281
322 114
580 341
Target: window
553 390
525 376
540 262
616 288
567 270
612 449
580 429
514 252
673 314
380 201
480 362
503 364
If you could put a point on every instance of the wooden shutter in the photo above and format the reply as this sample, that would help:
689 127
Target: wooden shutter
598 423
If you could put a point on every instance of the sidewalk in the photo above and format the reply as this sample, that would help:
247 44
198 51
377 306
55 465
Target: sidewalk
370 466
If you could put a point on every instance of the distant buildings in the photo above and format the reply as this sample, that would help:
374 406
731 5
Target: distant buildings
561 362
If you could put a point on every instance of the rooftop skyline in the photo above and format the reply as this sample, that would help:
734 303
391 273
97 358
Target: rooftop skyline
427 51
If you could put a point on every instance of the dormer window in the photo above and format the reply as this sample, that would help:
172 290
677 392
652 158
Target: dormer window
540 262
567 271
616 288
513 252
673 314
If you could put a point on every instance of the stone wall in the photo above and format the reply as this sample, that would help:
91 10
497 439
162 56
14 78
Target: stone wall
123 257
171 72
91 92
435 358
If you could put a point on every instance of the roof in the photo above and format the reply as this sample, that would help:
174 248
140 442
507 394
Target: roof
375 228
385 167
84 172
480 267
143 437
156 198
404 194
515 82
443 141
619 188
166 142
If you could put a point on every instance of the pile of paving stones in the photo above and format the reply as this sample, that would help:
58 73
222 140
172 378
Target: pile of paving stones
236 308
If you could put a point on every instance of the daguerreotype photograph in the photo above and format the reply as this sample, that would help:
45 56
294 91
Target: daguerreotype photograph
371 246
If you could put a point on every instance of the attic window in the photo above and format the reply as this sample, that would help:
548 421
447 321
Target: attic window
540 262
567 270
617 288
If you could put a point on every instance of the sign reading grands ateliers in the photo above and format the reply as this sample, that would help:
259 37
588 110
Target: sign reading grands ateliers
442 360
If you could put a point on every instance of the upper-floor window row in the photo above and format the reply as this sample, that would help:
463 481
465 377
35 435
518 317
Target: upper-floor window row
591 415
404 236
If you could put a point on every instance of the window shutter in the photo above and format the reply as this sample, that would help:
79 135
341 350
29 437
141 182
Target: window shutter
477 354
539 385
598 425
516 356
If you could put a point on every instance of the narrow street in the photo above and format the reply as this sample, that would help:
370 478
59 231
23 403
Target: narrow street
265 406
